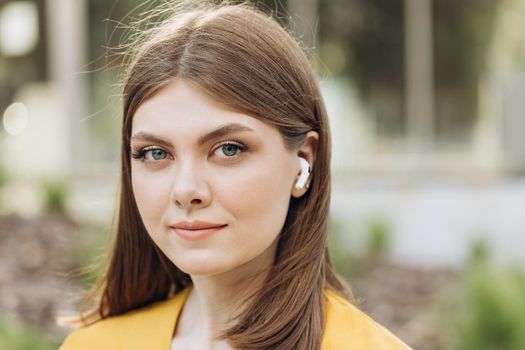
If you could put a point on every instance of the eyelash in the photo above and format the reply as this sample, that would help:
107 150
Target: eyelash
141 153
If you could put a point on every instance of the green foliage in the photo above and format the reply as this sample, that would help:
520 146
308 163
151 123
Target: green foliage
492 307
22 338
92 265
479 253
3 176
55 194
351 266
4 179
471 23
371 35
340 257
91 255
378 237
494 312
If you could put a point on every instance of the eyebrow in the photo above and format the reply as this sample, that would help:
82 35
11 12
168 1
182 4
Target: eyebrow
221 131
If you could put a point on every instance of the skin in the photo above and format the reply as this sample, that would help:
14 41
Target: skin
246 186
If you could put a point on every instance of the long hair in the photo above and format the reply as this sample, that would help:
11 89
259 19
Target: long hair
242 58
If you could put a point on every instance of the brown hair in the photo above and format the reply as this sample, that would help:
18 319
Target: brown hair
244 59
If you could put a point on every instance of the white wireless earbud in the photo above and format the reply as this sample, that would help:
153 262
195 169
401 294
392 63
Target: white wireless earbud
305 172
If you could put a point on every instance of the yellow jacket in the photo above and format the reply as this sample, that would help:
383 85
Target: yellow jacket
151 328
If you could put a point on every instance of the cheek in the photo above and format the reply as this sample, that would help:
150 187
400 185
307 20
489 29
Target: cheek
152 196
259 199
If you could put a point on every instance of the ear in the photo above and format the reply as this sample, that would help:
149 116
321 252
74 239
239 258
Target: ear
307 151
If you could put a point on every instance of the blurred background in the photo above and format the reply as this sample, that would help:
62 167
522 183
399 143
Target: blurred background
426 100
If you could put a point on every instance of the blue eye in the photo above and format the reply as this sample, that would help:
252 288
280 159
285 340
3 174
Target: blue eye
228 150
231 149
156 154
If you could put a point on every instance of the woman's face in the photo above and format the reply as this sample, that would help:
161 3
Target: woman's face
193 160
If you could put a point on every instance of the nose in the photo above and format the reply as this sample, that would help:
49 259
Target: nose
190 190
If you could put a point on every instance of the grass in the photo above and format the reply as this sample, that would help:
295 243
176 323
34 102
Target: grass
493 310
487 311
55 194
22 337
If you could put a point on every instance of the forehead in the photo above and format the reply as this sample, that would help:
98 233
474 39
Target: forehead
180 108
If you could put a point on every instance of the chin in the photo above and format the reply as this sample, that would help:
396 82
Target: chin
202 266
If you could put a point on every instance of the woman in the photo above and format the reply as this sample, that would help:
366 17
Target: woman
222 227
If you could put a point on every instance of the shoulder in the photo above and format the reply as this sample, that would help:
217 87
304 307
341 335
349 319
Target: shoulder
349 328
137 329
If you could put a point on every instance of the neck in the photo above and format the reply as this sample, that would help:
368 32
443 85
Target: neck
215 299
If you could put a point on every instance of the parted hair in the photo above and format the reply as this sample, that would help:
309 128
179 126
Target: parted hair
243 58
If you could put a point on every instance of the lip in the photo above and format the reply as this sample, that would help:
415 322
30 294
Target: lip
196 230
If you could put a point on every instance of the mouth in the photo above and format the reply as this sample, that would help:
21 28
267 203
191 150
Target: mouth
193 234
